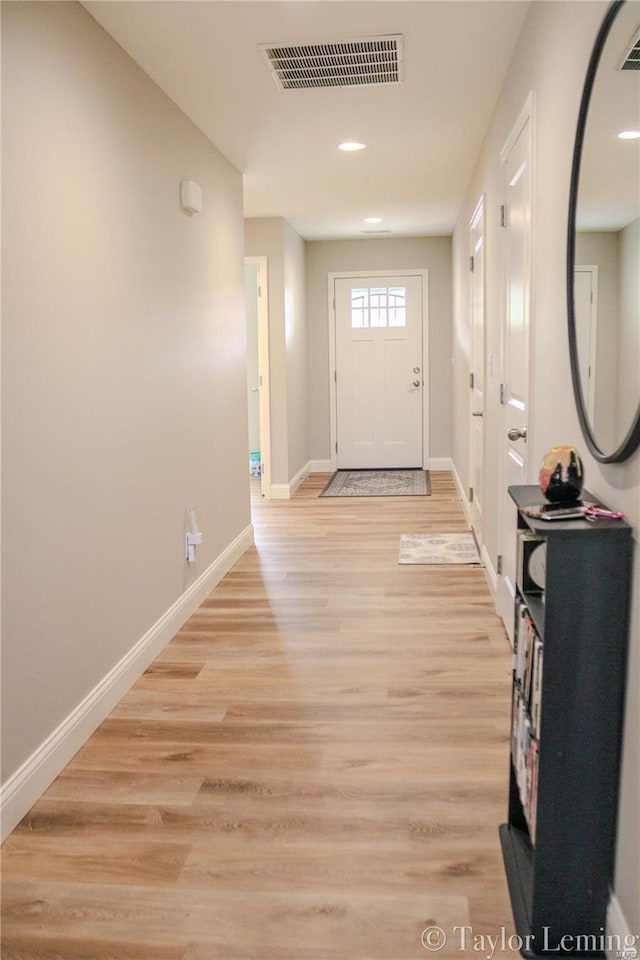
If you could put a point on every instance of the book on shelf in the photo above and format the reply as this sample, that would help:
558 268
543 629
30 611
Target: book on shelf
532 804
525 756
520 645
536 685
526 711
523 745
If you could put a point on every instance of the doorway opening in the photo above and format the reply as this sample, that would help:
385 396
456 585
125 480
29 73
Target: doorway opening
258 405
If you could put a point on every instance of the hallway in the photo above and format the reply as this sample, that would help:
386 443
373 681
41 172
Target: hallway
316 766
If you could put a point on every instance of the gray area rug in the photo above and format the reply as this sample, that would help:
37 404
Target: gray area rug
438 548
378 483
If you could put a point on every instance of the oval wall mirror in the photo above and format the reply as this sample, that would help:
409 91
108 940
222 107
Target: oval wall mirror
603 257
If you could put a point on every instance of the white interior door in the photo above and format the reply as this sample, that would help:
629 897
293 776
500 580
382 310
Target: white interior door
379 372
516 160
477 381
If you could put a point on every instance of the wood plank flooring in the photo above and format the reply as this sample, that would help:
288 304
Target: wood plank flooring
314 769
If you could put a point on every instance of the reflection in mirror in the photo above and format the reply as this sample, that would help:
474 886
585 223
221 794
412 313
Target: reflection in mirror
606 267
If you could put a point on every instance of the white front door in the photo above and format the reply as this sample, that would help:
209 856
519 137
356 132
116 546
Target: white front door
476 401
516 160
379 372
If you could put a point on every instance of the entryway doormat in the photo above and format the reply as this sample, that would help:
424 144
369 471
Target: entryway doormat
378 483
438 548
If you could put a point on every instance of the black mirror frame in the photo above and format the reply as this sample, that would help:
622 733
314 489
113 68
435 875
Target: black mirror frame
632 440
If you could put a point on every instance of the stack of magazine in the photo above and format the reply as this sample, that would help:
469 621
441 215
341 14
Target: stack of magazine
526 716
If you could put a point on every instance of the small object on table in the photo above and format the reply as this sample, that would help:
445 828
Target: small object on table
595 513
550 511
561 475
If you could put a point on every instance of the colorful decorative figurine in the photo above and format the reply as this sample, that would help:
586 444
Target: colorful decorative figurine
561 475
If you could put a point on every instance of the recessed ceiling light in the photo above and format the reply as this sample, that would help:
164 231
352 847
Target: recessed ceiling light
351 145
373 219
629 135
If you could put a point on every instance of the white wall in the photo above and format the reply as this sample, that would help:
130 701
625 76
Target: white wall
551 60
123 362
275 239
329 256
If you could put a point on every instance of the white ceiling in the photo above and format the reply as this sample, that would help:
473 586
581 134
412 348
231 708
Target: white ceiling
422 135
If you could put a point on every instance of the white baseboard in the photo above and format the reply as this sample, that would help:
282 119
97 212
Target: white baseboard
440 463
320 466
490 574
301 475
29 782
619 937
461 491
489 571
284 491
280 491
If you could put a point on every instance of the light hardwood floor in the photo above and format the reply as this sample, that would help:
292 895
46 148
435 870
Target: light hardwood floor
314 769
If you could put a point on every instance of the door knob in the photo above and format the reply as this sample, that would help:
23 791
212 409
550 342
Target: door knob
416 369
478 414
516 434
416 383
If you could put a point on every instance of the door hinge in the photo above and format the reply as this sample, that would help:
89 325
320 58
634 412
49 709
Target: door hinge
499 564
336 446
335 376
334 304
472 381
503 393
503 215
259 291
470 494
471 264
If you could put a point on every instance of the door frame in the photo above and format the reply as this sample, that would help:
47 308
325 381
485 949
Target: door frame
264 405
331 319
590 399
477 216
504 597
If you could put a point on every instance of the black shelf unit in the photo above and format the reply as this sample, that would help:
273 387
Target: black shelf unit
559 882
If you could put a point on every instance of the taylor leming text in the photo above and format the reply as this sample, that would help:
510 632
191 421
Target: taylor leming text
490 946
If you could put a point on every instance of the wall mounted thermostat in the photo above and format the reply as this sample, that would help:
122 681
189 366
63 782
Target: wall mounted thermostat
190 196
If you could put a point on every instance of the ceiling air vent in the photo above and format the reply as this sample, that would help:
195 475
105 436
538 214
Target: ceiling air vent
354 63
374 233
631 60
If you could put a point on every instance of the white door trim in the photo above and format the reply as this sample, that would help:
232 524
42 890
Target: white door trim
590 399
331 314
478 216
263 368
527 115
506 524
